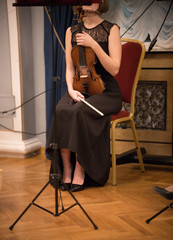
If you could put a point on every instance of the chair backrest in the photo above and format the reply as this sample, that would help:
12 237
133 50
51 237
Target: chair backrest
133 52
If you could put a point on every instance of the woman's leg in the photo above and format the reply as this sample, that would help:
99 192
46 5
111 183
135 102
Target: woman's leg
79 174
170 188
67 168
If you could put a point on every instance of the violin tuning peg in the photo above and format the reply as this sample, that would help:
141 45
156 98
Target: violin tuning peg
75 9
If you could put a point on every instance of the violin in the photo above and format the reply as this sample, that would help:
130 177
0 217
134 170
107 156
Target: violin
86 80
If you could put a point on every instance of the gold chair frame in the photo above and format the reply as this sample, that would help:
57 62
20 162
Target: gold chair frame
128 119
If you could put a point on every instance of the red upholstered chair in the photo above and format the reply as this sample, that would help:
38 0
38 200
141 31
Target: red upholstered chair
133 52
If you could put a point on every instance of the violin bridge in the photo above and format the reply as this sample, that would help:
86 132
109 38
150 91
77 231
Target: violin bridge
83 76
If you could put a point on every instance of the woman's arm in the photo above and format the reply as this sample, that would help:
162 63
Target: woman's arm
70 70
110 62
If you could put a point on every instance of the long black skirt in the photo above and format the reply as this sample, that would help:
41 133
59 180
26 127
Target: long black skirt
83 131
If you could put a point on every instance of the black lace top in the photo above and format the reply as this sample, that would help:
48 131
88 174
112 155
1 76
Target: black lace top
100 34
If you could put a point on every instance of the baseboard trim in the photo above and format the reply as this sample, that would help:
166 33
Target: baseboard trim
19 148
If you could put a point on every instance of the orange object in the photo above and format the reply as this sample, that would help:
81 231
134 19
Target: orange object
86 80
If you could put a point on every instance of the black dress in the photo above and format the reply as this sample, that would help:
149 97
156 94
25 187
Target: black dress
82 130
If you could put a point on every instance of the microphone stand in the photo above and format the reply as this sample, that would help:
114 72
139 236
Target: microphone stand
55 177
153 42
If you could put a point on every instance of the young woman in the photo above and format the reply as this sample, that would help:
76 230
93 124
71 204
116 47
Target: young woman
79 129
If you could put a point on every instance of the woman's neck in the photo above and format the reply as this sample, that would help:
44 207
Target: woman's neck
92 20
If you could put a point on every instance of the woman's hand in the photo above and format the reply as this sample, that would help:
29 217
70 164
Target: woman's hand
74 95
84 39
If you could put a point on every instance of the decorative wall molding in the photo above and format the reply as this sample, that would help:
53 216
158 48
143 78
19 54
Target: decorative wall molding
150 105
11 145
15 62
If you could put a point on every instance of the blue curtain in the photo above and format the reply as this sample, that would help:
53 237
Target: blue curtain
63 17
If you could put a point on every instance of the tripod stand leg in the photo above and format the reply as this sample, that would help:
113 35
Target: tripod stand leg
56 202
95 226
61 200
164 209
12 226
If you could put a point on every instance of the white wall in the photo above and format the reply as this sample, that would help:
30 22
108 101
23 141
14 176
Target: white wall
37 15
28 61
31 25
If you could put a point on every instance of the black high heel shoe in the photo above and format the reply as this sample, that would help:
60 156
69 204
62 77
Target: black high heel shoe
65 186
77 187
163 192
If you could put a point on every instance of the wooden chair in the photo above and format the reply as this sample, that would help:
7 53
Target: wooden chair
133 52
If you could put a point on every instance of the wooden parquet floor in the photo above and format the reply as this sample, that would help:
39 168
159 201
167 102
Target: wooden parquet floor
118 211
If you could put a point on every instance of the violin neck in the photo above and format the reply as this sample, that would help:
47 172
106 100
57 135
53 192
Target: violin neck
82 60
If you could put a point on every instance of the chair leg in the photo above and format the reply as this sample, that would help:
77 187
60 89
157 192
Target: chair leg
114 180
137 146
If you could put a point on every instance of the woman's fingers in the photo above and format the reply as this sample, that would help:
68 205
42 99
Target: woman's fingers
75 96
